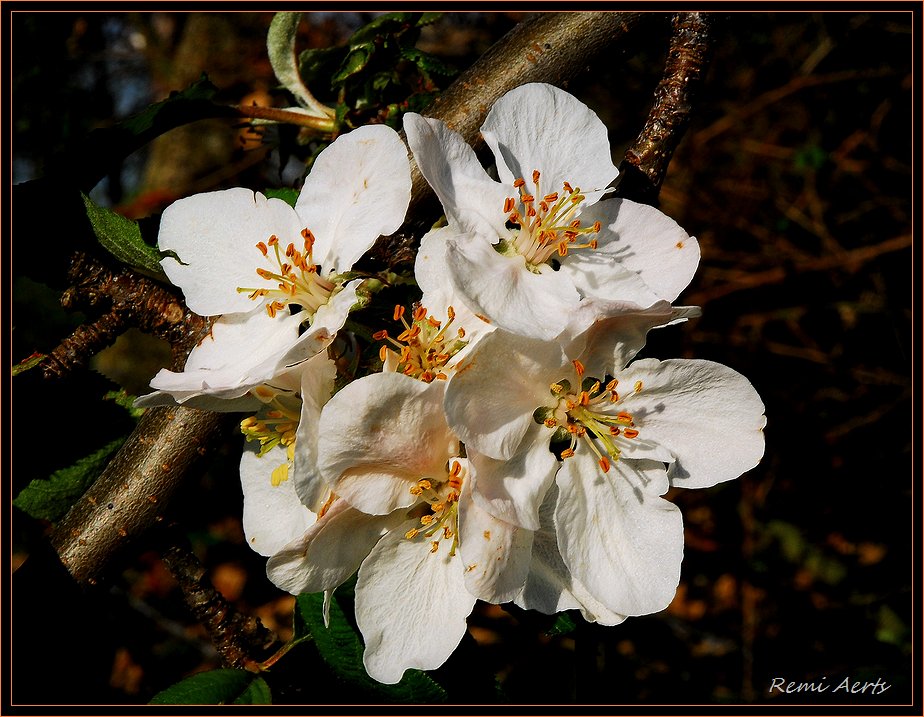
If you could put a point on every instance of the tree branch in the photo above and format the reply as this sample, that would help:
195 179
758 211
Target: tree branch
645 165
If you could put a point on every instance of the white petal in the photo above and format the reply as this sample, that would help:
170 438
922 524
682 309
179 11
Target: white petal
637 239
513 490
616 535
358 189
431 270
411 606
317 386
538 126
495 554
611 332
709 416
379 435
507 293
550 587
472 201
241 352
329 552
215 236
273 514
496 388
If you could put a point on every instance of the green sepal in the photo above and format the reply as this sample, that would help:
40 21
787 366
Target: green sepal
51 498
121 237
217 687
286 194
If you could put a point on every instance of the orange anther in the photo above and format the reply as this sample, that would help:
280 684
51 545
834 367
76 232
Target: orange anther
265 274
379 335
383 353
399 312
420 313
584 398
451 313
273 240
527 198
509 203
568 188
579 367
614 430
567 453
597 226
535 176
519 182
262 247
630 433
550 422
551 197
604 464
638 386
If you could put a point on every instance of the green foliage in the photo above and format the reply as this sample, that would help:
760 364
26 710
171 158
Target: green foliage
286 194
121 237
379 74
50 499
28 363
217 687
123 399
341 647
564 624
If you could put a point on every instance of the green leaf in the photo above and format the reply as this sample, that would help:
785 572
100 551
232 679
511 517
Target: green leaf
27 363
280 44
123 399
564 624
342 649
51 498
121 237
216 687
286 194
355 61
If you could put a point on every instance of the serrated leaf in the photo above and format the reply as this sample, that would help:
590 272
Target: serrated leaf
391 23
123 399
355 61
318 64
121 237
216 687
286 194
342 648
51 498
426 62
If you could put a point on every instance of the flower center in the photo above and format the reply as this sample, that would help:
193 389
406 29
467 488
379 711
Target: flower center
547 226
297 279
274 427
439 518
592 415
425 346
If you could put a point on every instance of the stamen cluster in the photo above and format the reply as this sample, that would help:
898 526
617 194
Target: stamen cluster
441 503
298 279
425 346
547 227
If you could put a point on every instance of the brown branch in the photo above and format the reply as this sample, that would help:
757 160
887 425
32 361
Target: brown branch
132 300
235 636
547 47
645 165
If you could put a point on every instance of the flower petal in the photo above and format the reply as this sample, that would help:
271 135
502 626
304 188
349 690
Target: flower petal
328 552
496 388
550 587
506 292
411 606
472 201
317 386
273 514
215 236
241 352
379 435
358 189
538 126
611 332
616 535
637 239
708 415
495 554
513 490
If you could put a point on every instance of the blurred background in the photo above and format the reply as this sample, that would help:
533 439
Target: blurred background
795 176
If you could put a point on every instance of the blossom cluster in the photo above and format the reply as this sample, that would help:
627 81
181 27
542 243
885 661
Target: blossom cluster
510 449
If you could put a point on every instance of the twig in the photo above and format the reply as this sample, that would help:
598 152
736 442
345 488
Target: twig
235 636
645 165
134 301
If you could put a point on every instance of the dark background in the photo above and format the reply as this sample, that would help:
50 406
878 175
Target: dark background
796 178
